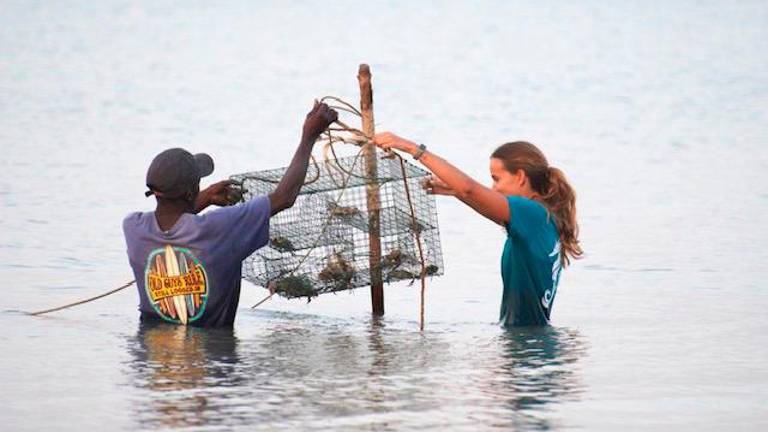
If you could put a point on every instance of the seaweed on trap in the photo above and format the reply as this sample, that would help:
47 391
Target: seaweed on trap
321 244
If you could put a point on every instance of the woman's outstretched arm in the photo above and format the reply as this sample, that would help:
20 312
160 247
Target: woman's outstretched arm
489 203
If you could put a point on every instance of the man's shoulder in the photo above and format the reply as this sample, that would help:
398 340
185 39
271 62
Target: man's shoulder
135 220
258 206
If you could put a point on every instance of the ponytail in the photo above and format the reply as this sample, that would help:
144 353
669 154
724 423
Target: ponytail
560 200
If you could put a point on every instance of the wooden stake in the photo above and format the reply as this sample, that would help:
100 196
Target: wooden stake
371 191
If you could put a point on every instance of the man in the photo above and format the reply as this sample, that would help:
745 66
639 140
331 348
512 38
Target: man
188 266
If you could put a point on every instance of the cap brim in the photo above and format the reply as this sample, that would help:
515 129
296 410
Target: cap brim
204 164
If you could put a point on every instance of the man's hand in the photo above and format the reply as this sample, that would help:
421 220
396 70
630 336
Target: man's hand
223 193
272 287
434 186
318 120
288 189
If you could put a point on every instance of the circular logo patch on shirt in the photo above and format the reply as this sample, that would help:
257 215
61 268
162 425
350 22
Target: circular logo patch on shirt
176 284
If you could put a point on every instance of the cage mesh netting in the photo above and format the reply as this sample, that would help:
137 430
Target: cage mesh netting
321 244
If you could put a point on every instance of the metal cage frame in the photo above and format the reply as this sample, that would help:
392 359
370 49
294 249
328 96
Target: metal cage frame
321 244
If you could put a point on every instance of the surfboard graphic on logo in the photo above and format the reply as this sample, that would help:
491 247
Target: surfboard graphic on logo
176 284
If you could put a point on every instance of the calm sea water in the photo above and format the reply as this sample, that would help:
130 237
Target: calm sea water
657 112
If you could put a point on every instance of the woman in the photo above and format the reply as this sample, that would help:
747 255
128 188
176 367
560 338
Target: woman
535 204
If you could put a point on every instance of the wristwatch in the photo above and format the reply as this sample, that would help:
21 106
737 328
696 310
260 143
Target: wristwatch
420 152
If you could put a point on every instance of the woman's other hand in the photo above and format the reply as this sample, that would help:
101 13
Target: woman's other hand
434 186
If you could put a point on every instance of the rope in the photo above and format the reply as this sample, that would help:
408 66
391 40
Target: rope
358 139
417 235
349 107
327 164
339 167
82 301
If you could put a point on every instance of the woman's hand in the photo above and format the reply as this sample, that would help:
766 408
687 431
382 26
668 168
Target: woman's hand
434 186
388 140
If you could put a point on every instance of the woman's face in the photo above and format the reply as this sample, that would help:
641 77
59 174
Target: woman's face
507 183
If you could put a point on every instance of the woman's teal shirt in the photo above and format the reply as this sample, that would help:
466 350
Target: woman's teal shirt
530 265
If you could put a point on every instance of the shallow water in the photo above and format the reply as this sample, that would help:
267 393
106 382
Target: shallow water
657 113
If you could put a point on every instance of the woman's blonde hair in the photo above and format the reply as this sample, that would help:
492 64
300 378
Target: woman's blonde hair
552 190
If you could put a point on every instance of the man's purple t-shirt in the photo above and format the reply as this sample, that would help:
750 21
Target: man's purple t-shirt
191 273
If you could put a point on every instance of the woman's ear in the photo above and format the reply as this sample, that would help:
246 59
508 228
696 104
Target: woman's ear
521 179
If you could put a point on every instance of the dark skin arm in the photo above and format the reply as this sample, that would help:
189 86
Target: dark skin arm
169 211
219 194
287 190
225 192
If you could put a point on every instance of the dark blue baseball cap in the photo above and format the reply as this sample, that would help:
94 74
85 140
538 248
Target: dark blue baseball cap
175 172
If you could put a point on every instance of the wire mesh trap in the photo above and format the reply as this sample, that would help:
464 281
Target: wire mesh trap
321 244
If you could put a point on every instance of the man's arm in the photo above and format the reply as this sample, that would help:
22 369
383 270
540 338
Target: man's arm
222 193
287 190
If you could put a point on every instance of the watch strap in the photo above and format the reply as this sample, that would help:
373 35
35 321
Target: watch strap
420 152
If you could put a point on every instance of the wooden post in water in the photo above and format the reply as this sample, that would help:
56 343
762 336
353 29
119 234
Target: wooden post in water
371 191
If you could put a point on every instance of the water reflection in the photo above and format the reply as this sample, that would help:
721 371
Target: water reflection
296 372
299 372
349 369
173 363
536 371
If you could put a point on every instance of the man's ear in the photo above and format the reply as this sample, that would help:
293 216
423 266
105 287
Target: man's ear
191 195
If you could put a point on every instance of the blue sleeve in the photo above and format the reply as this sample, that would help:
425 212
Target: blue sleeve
525 215
245 226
